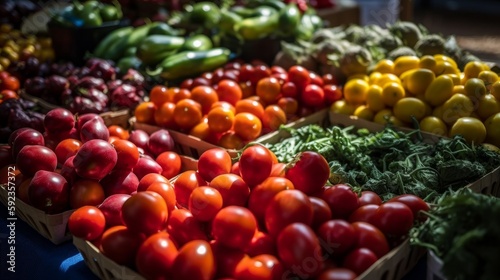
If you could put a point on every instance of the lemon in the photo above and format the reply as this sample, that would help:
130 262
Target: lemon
419 80
472 129
408 108
384 66
359 76
440 90
473 68
363 112
489 77
434 125
455 78
442 57
355 91
392 93
342 107
405 63
487 107
475 89
445 67
374 98
374 77
388 78
427 62
495 90
459 105
492 125
385 116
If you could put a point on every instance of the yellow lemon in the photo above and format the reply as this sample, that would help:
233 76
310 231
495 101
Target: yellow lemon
427 62
455 78
495 90
419 80
472 129
440 90
492 125
489 77
442 57
408 108
374 98
363 112
359 76
392 93
475 89
384 66
473 68
342 107
458 106
434 125
445 67
388 78
405 63
374 77
487 107
355 91
386 116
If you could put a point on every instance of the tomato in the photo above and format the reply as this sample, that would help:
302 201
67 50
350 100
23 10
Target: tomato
120 245
205 96
9 83
359 260
309 173
234 227
170 163
214 162
127 154
313 95
230 140
363 214
393 218
287 207
262 267
184 227
472 129
156 256
369 197
85 192
159 95
256 163
220 119
7 94
227 259
337 273
262 194
145 212
118 131
268 89
66 148
250 106
278 170
299 75
204 203
321 212
149 179
187 113
179 94
246 72
262 243
195 260
289 89
167 192
274 117
233 189
299 248
337 237
164 115
259 72
329 79
185 184
341 199
145 113
370 237
332 93
247 126
415 203
289 105
87 222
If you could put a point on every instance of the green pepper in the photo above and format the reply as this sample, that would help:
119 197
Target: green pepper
228 20
190 63
257 27
155 48
205 13
289 19
198 42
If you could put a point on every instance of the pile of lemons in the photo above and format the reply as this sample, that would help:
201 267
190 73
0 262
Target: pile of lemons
429 92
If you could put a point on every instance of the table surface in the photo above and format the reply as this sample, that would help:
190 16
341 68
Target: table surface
38 258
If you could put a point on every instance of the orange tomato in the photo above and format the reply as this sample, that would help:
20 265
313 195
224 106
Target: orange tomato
250 106
268 89
159 95
118 131
220 119
289 105
230 140
201 130
247 89
247 126
274 117
145 112
205 96
229 91
223 104
164 115
187 113
177 94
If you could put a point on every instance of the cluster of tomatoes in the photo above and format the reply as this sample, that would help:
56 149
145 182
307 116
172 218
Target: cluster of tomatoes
238 103
252 219
9 86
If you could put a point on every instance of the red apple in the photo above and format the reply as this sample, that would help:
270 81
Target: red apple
140 138
94 129
81 120
33 158
120 182
146 165
27 137
68 171
49 191
59 120
111 207
160 141
95 159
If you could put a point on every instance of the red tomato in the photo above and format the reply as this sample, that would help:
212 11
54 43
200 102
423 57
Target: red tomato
359 260
262 243
166 190
278 170
275 69
259 72
127 154
329 79
316 79
393 218
185 184
226 259
10 83
121 245
195 260
85 192
310 173
233 189
321 212
262 267
171 164
66 148
313 96
370 237
234 227
87 222
369 197
204 203
289 89
337 237
363 214
415 203
256 163
156 256
229 91
332 93
184 227
246 72
149 179
299 76
262 194
299 248
342 200
213 163
7 94
287 207
337 273
145 212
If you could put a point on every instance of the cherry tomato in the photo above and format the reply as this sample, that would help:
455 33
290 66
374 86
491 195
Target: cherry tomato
261 267
268 89
342 200
363 214
250 106
164 116
246 72
234 227
415 203
259 72
118 131
337 236
195 260
204 203
7 94
278 170
299 76
185 184
329 79
298 247
120 244
220 119
262 194
316 79
289 89
145 212
370 237
10 83
274 117
230 140
170 163
289 105
337 273
393 218
359 260
127 154
310 173
149 179
214 162
167 192
229 91
262 243
87 222
85 192
369 197
247 126
256 163
184 227
321 212
66 148
332 93
313 96
156 256
187 113
233 189
159 95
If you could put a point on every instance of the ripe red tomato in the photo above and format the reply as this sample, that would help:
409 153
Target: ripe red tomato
85 192
10 83
313 96
298 247
316 79
337 273
359 260
183 227
262 243
66 148
415 203
337 236
156 256
261 267
259 72
332 93
393 218
321 212
185 184
233 189
195 260
226 259
256 163
120 244
289 89
234 227
310 173
369 197
171 164
262 194
299 76
149 179
214 162
342 200
363 214
128 154
370 237
204 203
166 190
87 222
287 207
145 212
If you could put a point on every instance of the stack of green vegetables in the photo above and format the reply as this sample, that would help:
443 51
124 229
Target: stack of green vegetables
463 231
391 162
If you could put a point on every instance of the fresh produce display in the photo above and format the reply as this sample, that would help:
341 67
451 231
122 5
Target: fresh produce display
461 231
17 113
96 87
391 162
88 13
238 221
238 103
